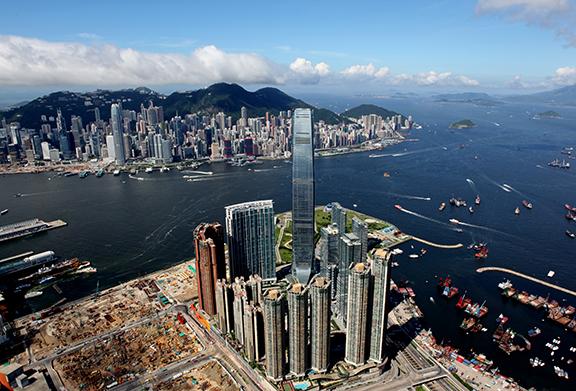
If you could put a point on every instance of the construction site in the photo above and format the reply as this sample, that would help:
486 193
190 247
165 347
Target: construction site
179 282
123 356
208 377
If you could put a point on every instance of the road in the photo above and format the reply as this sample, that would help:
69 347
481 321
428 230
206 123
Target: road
527 277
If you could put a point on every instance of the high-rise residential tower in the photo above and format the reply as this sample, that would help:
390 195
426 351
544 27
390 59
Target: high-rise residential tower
118 133
380 304
302 195
274 334
360 229
298 329
250 234
338 215
210 263
357 324
329 252
348 254
320 323
224 309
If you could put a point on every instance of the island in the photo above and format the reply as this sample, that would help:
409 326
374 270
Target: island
548 114
462 124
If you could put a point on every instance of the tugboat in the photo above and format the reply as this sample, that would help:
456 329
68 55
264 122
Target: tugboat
477 200
442 206
517 211
570 234
527 205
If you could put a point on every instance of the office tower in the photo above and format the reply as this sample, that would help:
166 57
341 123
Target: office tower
348 253
338 215
250 233
360 229
210 263
97 114
110 147
117 133
243 117
253 330
320 323
298 329
329 254
359 291
254 289
224 310
274 332
380 304
240 301
302 195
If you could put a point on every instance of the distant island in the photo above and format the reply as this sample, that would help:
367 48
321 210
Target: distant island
548 114
462 124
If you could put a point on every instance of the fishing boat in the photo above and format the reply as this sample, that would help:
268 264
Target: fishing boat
467 323
477 200
517 211
534 332
442 206
527 204
570 234
463 302
3 212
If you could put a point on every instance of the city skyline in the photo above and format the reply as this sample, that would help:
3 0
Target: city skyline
479 33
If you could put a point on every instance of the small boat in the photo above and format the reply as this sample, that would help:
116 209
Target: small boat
570 208
100 173
570 234
527 205
18 195
397 206
534 332
386 175
32 294
454 221
517 211
413 256
432 300
477 200
471 210
505 284
355 205
148 170
116 172
551 274
442 206
84 174
3 212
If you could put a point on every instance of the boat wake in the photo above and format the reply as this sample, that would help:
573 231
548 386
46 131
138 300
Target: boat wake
421 216
514 190
472 185
410 197
484 228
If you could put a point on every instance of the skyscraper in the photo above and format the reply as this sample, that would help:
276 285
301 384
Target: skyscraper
381 290
238 305
274 332
302 195
250 234
329 254
320 323
118 133
360 229
253 332
338 215
359 291
254 289
298 329
210 263
348 254
224 310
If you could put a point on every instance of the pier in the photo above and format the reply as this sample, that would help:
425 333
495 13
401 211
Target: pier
445 246
527 277
16 257
28 227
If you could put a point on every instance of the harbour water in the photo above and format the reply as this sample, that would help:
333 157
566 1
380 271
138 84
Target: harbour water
128 227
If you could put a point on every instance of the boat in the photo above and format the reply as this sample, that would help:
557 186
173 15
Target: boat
457 202
432 300
398 207
527 204
454 221
570 208
501 319
116 172
84 174
164 169
482 253
551 273
561 373
442 206
467 323
463 302
148 170
3 212
534 332
570 234
477 200
536 362
413 256
32 294
88 269
100 173
386 175
570 216
18 195
505 284
471 210
67 174
517 211
45 280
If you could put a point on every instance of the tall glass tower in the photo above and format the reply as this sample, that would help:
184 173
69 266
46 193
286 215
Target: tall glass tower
118 133
302 195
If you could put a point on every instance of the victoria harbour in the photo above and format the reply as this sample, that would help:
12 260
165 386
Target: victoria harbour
128 227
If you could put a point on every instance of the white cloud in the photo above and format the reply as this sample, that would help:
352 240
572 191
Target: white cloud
369 71
88 36
27 61
304 71
433 78
565 76
556 15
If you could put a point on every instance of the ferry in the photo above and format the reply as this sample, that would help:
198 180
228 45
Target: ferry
477 200
527 204
3 212
517 211
534 332
32 294
116 172
442 206
570 234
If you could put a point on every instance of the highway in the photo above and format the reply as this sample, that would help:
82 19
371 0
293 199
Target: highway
527 277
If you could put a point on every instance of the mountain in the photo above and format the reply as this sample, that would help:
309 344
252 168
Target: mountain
366 109
561 96
476 98
228 98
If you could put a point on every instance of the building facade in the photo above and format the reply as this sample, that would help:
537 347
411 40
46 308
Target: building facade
357 324
380 304
210 263
118 133
320 324
348 254
298 329
274 334
360 229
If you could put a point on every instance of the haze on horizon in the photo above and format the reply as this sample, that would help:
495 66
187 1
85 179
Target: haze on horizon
483 45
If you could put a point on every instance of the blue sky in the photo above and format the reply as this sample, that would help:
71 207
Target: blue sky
481 44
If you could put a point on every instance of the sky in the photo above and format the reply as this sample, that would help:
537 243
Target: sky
314 46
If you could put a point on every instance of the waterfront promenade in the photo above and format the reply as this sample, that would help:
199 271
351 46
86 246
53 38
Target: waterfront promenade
530 278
